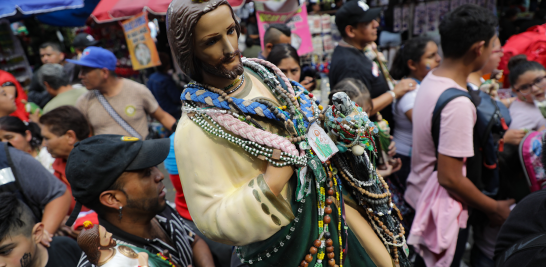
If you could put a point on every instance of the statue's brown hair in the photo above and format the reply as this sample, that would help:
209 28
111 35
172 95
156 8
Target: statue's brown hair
89 242
182 16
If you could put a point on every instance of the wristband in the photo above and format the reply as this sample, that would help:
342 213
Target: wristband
393 96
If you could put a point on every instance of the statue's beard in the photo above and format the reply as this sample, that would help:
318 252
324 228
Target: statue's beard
111 245
220 71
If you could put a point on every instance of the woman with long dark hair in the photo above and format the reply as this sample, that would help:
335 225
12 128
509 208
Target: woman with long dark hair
414 60
25 136
286 58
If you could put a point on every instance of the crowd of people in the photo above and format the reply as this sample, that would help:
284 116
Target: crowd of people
78 154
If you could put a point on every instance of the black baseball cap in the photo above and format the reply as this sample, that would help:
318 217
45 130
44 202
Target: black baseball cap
84 40
97 162
355 11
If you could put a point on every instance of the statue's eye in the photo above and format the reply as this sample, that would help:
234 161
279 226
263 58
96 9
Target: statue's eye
231 31
210 42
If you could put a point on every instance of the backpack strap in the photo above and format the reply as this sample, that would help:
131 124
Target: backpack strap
529 242
117 118
443 100
15 186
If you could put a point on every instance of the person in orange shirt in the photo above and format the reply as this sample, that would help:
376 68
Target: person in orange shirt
62 128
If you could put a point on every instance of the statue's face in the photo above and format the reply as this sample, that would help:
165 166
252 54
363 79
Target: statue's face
106 240
216 44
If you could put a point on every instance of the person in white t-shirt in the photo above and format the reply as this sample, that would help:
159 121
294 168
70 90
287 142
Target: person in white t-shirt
414 60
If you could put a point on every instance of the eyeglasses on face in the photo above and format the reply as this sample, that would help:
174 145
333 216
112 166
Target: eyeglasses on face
539 82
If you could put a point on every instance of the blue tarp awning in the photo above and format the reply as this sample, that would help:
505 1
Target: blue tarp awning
69 17
9 8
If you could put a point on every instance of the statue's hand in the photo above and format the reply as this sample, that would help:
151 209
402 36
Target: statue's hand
277 177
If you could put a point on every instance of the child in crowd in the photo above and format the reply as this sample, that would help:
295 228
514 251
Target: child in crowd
528 79
25 137
414 60
437 186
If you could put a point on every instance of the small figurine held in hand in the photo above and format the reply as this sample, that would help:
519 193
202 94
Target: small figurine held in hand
492 85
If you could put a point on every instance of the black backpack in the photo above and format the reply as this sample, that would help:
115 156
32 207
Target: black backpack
492 122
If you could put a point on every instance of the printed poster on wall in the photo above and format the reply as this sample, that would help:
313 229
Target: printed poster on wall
140 43
297 22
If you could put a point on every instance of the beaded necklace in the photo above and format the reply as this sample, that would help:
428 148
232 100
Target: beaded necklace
242 80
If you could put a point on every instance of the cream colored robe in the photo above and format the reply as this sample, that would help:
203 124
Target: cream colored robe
216 174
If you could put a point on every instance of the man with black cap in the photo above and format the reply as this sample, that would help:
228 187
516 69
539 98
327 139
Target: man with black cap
357 25
82 41
117 177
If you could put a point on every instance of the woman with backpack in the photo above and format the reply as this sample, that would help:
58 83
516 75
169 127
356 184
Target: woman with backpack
528 79
414 60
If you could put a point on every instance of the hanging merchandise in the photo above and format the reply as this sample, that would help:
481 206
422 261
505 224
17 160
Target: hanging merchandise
315 24
140 43
12 55
492 5
432 16
443 9
420 19
325 23
297 22
397 16
454 4
405 18
318 47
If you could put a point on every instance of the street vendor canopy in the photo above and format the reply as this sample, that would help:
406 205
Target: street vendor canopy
9 8
114 10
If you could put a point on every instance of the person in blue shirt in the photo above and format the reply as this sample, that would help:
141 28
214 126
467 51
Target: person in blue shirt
164 88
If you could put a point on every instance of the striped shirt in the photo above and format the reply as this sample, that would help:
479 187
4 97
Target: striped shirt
179 233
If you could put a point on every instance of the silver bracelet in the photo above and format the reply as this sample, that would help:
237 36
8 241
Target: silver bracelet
393 96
